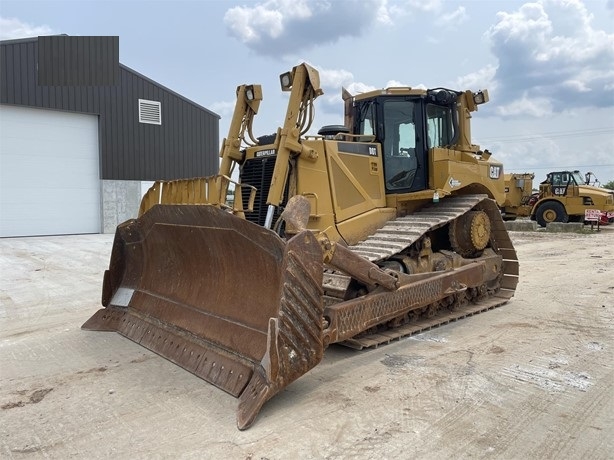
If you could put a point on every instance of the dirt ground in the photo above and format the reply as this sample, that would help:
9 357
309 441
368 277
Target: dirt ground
533 379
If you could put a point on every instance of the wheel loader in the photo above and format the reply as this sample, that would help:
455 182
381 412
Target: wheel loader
361 234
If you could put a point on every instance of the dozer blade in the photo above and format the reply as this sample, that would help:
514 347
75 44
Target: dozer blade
222 297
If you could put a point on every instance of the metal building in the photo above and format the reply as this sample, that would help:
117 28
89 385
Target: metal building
79 132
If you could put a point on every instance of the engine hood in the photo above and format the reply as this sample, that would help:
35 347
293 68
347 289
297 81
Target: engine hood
590 190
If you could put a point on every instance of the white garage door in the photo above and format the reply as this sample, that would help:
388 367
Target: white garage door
49 172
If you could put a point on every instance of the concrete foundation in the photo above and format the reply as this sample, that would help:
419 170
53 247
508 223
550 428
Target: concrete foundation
120 201
521 225
570 227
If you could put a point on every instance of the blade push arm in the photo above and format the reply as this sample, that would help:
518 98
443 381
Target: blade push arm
248 102
303 82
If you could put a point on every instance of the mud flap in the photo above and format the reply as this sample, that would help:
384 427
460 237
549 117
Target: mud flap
222 297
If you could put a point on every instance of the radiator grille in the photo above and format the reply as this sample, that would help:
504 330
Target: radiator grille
258 172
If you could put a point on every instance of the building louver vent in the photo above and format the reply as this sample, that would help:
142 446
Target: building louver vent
150 112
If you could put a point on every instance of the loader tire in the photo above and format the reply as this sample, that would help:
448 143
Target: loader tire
551 211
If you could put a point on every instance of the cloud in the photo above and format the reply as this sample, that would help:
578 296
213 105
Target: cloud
223 108
453 19
550 55
534 107
280 28
13 28
335 77
520 156
430 6
333 80
482 79
286 28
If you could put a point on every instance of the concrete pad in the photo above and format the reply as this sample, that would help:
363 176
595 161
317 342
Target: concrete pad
523 225
569 227
532 379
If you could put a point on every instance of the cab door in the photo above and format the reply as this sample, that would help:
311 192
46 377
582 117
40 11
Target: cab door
404 155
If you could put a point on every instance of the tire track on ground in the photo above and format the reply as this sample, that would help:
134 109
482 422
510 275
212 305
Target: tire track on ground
584 411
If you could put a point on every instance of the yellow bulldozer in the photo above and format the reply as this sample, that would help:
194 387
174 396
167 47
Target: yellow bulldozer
370 231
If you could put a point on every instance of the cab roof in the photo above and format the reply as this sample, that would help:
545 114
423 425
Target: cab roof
392 91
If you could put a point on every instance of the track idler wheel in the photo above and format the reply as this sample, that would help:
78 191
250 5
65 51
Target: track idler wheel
470 233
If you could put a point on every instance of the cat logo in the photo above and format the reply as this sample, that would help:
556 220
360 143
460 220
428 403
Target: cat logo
560 191
495 172
265 153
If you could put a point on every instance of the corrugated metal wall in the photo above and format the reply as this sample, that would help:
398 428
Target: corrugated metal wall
78 61
185 145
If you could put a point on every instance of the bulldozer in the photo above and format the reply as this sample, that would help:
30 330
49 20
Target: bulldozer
359 235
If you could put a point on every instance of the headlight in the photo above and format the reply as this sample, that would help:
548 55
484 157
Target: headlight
480 97
286 81
249 93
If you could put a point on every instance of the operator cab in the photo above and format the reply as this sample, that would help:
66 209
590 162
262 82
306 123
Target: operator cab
560 181
407 123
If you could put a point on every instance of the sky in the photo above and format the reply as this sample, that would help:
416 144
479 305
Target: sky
548 64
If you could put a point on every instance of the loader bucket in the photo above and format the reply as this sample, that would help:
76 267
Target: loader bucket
222 297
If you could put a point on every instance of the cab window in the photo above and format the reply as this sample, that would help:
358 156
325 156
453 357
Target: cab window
367 120
439 126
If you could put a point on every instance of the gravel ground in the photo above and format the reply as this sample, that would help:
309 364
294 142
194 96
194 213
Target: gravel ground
533 379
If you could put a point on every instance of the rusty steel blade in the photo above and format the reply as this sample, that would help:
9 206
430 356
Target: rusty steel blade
222 297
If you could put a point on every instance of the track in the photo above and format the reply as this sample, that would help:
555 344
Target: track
401 233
